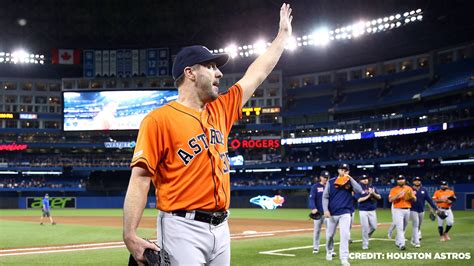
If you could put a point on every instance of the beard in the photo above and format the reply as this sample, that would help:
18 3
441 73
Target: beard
207 92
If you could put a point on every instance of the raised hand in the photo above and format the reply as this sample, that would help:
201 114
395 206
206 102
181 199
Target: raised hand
285 19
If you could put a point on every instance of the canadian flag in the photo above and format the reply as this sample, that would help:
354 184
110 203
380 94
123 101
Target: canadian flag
66 56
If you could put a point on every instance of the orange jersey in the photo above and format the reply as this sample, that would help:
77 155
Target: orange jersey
401 202
186 152
443 195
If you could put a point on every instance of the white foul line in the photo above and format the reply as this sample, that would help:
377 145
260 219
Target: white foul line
276 252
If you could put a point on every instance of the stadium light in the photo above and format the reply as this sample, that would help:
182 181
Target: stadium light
8 173
393 165
365 166
262 170
321 37
324 36
42 173
21 56
458 161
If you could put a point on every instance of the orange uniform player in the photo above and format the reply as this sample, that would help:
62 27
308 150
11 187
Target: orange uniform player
444 199
401 196
182 148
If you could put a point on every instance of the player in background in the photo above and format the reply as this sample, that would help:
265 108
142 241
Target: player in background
338 205
401 197
417 210
367 200
316 205
444 199
46 210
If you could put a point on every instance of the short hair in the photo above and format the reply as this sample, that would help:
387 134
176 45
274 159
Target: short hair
180 80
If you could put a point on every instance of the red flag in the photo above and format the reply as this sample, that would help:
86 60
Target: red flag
66 56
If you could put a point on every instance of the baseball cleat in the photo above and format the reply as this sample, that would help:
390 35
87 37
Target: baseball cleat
446 236
365 248
402 248
389 235
328 257
345 263
315 251
41 223
371 232
417 246
333 254
442 239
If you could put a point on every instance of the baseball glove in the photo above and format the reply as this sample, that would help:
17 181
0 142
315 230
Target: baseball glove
432 216
441 214
408 195
152 258
452 198
315 216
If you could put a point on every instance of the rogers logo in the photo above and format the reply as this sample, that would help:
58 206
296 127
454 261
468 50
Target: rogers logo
13 147
259 144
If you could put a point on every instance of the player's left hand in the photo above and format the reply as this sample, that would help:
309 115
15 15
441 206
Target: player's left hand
285 20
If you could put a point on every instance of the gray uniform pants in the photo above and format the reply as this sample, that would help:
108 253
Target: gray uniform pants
449 220
317 231
400 218
368 221
417 219
344 222
184 241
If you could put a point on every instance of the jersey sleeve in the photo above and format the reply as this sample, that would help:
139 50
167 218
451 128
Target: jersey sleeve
231 103
392 193
430 201
312 197
436 195
147 150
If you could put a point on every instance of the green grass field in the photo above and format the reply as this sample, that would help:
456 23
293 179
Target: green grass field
244 252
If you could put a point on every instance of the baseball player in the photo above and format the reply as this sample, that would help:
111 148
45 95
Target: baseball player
417 210
338 206
401 197
444 198
46 210
182 148
316 205
367 200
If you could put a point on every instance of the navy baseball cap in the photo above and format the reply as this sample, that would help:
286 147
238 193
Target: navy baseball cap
417 178
325 174
196 54
364 177
344 166
443 183
399 177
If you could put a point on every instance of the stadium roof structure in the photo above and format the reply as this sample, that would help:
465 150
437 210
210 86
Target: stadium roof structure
113 24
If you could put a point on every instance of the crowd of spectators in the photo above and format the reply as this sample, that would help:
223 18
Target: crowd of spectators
41 182
379 149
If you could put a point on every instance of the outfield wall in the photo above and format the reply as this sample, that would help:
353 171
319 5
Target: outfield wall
464 193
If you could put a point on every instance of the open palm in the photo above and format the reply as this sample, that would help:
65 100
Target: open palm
285 19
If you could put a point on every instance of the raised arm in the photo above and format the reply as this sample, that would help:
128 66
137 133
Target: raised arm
135 202
264 64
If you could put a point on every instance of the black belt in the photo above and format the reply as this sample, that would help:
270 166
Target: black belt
214 218
444 208
403 208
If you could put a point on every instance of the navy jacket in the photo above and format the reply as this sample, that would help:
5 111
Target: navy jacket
339 201
371 203
421 196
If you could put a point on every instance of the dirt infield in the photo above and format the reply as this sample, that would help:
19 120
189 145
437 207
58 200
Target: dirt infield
236 225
